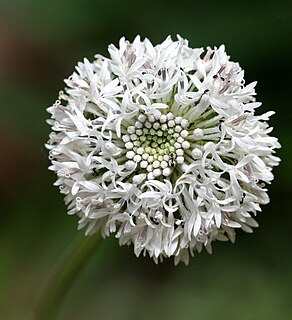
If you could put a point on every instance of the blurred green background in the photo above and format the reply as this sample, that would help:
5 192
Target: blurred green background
40 43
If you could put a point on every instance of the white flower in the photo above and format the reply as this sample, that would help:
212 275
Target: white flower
161 146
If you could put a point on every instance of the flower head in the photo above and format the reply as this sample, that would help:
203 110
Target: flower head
161 146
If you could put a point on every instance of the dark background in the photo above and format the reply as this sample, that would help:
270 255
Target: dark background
40 43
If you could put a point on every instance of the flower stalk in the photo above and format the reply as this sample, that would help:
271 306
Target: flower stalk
63 277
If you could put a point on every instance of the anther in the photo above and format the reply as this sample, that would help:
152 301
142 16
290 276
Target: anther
149 84
181 83
163 71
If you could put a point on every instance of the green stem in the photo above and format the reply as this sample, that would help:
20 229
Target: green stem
65 273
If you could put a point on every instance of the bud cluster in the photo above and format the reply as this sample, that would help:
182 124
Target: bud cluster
156 143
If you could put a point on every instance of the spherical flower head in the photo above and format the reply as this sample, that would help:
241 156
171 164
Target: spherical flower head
161 146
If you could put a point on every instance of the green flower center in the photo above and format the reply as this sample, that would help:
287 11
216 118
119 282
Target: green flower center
156 143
